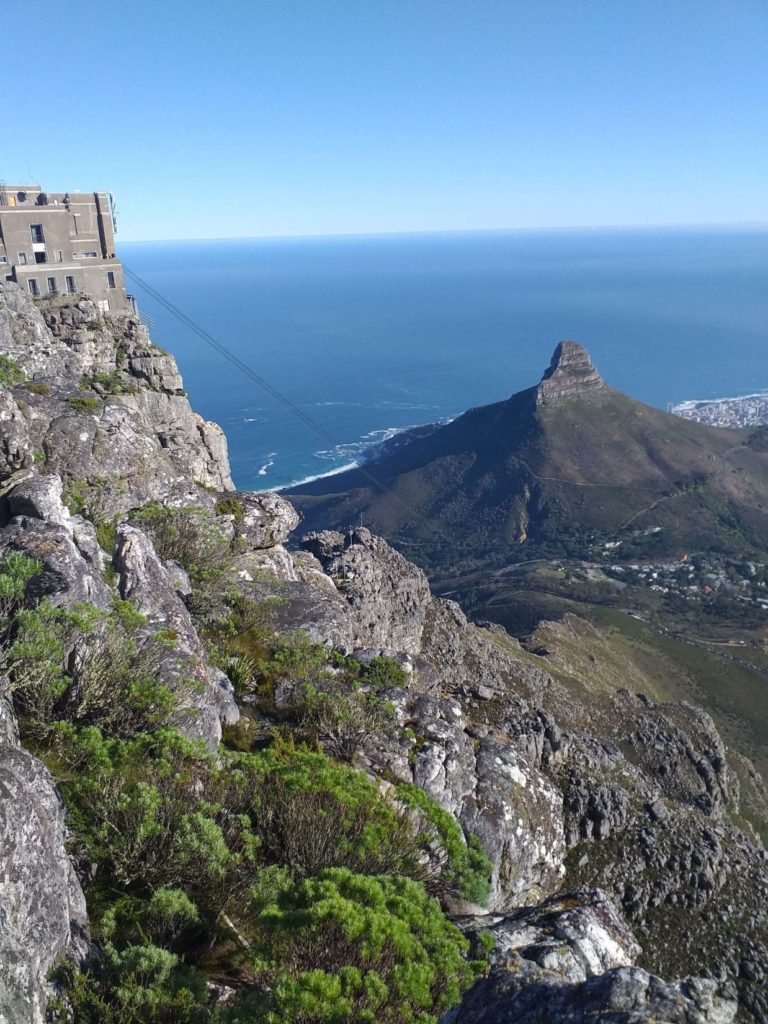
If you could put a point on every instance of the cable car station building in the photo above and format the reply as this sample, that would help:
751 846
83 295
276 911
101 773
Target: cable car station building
61 242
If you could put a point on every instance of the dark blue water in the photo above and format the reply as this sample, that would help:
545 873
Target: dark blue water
370 334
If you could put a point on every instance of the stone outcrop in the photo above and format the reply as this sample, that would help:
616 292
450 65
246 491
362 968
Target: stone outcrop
571 959
387 595
205 697
104 408
569 374
42 909
625 995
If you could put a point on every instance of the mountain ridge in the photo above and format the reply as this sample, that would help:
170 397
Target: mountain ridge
520 470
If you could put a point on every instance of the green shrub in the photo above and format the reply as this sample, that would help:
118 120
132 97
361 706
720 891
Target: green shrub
106 534
342 716
132 809
114 383
10 372
81 403
192 537
343 947
80 666
141 984
469 868
384 672
161 918
230 507
16 570
311 813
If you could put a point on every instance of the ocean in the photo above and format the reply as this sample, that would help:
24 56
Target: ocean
367 335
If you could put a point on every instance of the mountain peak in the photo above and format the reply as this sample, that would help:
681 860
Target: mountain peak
570 373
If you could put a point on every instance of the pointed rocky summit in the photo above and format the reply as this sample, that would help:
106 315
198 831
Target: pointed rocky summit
570 373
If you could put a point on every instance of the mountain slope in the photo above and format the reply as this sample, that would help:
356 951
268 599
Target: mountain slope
558 467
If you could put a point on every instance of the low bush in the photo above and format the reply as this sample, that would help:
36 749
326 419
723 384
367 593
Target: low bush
140 984
343 947
82 403
84 667
114 383
384 672
10 372
311 813
132 809
16 570
37 388
342 715
230 507
192 537
468 870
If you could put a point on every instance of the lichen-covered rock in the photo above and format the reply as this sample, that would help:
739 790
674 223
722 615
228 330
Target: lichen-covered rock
388 596
575 934
491 788
15 446
105 407
265 519
41 527
571 959
625 995
204 694
42 909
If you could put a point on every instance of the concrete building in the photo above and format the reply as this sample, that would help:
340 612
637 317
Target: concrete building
61 242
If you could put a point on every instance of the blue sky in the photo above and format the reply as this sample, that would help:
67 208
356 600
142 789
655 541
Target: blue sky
293 117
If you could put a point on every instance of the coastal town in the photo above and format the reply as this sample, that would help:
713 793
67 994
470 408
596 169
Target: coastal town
743 411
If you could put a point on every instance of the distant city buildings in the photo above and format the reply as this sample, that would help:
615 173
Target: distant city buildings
746 411
61 242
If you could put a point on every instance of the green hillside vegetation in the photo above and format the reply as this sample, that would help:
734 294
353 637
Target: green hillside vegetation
273 862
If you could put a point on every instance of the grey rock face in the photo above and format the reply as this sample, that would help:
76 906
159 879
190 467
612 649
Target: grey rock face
624 995
146 582
571 959
135 439
42 528
15 447
492 789
387 595
578 935
42 908
267 519
570 373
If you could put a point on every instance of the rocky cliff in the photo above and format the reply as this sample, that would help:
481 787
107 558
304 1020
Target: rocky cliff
585 842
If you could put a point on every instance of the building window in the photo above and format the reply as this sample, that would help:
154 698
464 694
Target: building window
52 286
3 259
22 257
41 257
32 285
91 255
59 255
71 285
110 279
37 232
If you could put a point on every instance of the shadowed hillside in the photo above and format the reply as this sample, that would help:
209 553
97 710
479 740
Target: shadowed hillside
558 468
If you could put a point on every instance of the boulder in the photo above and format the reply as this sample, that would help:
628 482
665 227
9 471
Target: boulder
152 589
42 908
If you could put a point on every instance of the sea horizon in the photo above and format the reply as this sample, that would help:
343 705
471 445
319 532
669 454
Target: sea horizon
368 335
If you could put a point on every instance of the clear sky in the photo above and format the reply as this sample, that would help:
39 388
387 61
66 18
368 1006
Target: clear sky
285 117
